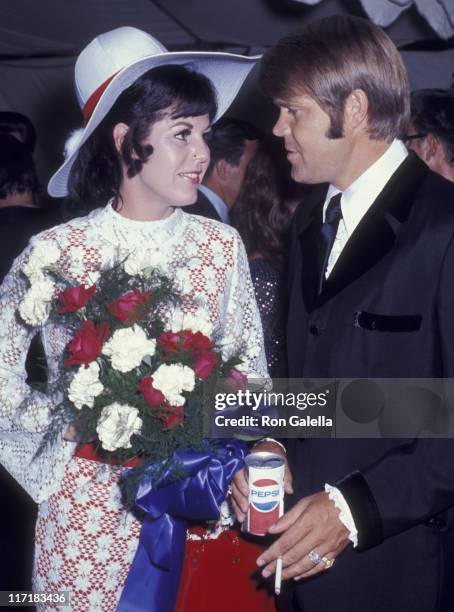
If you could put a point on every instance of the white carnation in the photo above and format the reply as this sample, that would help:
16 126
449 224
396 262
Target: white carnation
197 322
85 386
92 278
35 306
138 261
116 424
172 380
44 253
128 347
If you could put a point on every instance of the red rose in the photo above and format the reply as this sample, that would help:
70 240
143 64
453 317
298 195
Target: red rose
236 381
196 342
204 364
75 298
170 341
152 396
130 306
172 416
87 343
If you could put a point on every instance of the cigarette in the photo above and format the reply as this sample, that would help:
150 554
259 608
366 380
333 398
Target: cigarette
278 576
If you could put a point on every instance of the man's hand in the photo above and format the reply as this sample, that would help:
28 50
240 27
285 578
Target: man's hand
312 524
240 487
71 434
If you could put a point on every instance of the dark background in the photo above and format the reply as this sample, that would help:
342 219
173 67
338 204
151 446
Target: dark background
39 42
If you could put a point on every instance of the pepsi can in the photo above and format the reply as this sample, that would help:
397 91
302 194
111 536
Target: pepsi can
265 474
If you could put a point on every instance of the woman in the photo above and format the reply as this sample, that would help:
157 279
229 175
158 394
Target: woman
141 156
262 215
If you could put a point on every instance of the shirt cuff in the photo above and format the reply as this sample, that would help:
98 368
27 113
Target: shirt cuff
345 514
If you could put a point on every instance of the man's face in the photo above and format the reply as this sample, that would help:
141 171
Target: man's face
304 126
238 173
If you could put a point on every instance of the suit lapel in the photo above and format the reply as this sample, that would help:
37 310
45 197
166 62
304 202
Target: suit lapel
372 239
307 247
370 242
377 231
311 258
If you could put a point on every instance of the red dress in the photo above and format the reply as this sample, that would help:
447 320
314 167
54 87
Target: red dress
221 574
218 573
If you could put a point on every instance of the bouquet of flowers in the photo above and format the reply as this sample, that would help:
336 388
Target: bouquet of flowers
133 380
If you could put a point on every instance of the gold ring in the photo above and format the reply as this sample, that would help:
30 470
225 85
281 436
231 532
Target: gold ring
328 562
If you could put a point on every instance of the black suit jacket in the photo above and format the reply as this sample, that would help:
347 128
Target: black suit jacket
397 269
203 207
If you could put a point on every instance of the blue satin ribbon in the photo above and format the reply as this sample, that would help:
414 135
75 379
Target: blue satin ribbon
154 577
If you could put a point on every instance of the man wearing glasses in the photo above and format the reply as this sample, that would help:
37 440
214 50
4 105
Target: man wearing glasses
431 133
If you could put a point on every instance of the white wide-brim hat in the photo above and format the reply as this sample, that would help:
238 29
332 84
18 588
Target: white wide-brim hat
115 59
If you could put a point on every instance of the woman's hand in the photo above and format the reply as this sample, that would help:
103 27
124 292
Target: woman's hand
240 487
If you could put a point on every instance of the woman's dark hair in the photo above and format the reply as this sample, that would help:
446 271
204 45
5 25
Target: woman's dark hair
96 175
19 125
261 214
17 168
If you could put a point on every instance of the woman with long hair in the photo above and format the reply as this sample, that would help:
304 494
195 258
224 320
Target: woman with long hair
262 217
129 172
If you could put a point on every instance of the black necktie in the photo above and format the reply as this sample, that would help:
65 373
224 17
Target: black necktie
333 215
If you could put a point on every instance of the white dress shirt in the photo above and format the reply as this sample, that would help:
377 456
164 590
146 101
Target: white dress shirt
358 198
219 204
355 202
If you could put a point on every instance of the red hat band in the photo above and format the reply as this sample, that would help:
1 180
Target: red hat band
93 100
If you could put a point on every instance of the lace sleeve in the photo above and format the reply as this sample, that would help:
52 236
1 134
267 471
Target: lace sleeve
242 328
24 413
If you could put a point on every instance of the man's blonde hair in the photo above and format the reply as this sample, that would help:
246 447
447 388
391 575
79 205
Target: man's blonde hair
330 58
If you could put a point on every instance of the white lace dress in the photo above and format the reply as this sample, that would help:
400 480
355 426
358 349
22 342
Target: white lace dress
85 541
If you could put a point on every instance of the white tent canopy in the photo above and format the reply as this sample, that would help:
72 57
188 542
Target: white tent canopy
439 15
40 40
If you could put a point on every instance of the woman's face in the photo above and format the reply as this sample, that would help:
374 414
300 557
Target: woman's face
174 170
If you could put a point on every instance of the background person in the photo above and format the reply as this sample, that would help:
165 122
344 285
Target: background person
21 216
232 144
19 126
262 215
431 132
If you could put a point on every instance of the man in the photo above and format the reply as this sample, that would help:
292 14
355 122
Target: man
232 144
431 134
371 295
